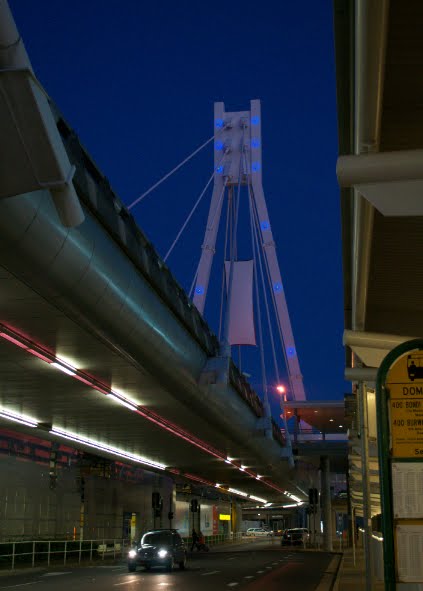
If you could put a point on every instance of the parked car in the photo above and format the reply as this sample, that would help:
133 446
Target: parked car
159 547
258 531
295 536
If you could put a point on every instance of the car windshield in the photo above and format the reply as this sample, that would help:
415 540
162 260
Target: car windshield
156 538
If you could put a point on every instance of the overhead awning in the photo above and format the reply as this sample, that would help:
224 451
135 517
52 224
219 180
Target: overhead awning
391 181
372 347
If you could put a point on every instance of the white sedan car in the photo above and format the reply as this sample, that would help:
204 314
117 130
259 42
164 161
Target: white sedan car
258 531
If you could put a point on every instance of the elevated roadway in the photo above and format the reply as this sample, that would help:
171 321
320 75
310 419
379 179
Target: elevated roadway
99 344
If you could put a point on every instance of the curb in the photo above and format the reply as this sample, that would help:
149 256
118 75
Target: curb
331 578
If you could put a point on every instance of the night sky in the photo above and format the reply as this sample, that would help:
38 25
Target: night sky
137 81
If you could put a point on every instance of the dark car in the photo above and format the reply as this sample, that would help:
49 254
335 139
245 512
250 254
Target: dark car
160 547
295 536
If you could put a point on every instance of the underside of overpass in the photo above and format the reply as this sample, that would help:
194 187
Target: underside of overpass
99 344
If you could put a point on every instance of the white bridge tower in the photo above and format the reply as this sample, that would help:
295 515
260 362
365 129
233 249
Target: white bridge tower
238 161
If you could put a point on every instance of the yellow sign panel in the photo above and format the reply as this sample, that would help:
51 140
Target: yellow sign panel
405 385
224 517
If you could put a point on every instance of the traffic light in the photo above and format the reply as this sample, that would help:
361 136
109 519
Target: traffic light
194 505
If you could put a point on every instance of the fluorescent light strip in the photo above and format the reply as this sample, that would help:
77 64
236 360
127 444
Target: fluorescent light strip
67 368
108 448
289 506
64 368
238 492
258 499
22 419
291 496
122 401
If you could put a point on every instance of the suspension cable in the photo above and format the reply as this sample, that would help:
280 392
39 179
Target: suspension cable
262 255
262 360
191 213
166 176
260 265
278 322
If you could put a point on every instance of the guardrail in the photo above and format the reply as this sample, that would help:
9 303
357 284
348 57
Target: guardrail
46 552
34 553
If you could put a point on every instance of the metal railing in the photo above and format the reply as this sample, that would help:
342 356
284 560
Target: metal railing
34 553
46 552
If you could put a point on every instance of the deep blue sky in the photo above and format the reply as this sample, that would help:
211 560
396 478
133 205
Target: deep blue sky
137 81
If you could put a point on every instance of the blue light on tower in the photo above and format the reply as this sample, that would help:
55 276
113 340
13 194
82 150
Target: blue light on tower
255 120
255 166
218 123
290 351
219 169
264 225
218 145
255 142
199 290
277 287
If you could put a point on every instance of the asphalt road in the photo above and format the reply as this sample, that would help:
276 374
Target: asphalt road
256 566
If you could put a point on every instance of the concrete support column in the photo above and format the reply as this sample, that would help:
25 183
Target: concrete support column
326 504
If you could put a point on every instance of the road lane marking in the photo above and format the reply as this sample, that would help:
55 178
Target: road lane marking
69 572
268 566
260 571
249 577
126 582
232 584
231 558
20 585
213 572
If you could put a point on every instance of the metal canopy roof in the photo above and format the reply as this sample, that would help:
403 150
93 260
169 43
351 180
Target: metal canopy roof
326 416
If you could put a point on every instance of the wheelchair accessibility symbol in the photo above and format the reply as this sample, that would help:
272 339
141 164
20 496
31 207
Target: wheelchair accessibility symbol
415 366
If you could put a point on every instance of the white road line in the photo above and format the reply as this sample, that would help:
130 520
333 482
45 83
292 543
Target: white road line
260 571
20 585
249 577
232 584
269 567
231 558
127 582
57 574
213 572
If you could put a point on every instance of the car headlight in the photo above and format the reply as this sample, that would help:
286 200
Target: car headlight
162 553
132 553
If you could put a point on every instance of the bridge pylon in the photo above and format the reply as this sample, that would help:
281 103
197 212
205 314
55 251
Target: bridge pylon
238 162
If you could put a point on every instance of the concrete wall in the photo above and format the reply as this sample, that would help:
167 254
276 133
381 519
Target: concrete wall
29 509
206 520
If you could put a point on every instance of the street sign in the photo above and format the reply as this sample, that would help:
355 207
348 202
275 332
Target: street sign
405 383
399 398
